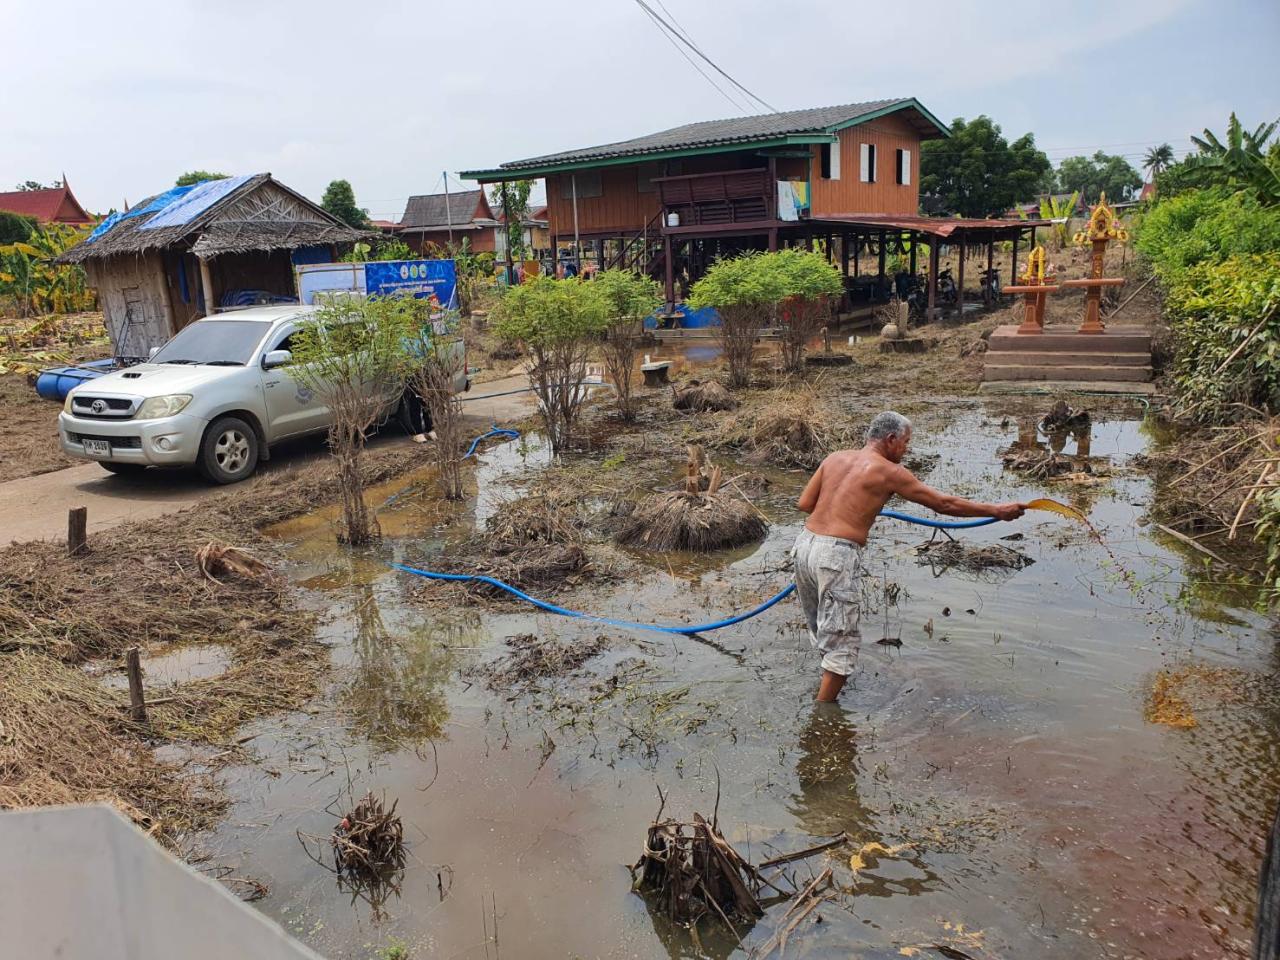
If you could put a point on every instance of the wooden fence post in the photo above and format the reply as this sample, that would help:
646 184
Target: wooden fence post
78 531
137 703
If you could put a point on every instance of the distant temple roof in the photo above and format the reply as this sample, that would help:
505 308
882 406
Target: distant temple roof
54 205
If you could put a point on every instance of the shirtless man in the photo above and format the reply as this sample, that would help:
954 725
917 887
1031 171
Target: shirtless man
842 499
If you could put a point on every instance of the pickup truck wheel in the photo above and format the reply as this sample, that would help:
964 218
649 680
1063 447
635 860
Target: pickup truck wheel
122 469
229 451
414 415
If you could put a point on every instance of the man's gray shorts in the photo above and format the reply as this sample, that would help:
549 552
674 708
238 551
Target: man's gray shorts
828 580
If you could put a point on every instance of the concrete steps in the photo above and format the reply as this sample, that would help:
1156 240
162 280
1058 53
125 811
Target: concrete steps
1121 355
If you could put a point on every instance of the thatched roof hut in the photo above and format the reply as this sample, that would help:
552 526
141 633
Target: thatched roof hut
185 253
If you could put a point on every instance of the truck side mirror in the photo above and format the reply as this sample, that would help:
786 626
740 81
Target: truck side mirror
275 358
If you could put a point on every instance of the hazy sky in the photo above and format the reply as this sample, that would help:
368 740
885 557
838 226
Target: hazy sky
125 96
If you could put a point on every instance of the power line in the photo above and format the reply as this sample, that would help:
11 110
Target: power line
715 66
657 23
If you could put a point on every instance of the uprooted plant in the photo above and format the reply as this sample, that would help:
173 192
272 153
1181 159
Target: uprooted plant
350 354
435 363
558 321
629 298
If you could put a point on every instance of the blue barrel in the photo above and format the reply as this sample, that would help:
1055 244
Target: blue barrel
56 382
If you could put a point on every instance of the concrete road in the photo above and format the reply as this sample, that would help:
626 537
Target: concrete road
35 508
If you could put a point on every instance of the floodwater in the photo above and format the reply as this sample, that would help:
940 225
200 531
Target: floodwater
1005 741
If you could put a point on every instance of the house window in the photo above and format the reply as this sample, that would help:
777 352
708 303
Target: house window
586 182
868 172
829 161
904 167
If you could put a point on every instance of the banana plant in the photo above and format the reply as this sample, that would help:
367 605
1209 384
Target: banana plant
1239 160
1059 211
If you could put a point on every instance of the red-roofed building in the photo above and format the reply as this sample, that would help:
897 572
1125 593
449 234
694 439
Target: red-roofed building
55 205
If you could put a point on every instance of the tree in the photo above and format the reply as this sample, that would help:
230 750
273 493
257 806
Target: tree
977 173
745 296
340 200
1158 159
629 298
516 194
1092 176
27 185
807 284
192 177
1242 160
434 358
558 321
350 353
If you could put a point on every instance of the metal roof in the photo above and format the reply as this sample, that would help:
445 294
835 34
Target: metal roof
816 124
438 210
941 227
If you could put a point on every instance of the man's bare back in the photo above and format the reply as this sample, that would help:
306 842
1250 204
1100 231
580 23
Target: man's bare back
852 486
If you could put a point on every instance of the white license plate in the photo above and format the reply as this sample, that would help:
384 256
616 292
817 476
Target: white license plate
97 448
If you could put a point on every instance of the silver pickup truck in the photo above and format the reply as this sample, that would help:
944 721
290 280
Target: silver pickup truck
217 396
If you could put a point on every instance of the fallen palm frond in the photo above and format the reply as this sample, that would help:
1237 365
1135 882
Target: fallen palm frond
217 560
702 396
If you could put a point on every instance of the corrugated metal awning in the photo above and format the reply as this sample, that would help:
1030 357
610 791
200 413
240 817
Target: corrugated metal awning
942 227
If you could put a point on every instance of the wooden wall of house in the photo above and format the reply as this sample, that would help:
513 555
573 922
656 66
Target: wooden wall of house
849 194
134 295
481 241
620 208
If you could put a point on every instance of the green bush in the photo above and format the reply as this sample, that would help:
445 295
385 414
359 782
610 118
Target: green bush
1204 226
1267 533
1213 308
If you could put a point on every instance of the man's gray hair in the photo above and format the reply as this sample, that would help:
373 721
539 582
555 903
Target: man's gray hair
888 424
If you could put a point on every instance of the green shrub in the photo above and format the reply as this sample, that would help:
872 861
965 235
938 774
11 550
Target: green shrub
1212 308
1267 533
628 298
1204 226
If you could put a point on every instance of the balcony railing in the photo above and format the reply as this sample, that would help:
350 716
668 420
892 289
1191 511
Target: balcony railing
735 196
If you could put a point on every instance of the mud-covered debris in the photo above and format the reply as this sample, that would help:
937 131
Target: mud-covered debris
531 658
368 842
1063 417
528 520
701 396
972 558
537 565
1042 464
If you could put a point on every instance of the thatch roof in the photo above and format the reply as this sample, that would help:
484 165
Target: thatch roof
236 216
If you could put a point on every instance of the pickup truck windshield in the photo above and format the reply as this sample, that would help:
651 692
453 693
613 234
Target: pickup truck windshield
221 342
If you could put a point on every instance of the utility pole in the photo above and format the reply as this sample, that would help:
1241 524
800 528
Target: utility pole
448 215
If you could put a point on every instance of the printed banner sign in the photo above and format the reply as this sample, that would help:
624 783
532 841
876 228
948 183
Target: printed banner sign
418 278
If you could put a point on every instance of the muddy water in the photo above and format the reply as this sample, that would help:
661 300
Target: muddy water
1004 741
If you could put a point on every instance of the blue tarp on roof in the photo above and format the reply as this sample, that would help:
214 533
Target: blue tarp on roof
201 197
158 203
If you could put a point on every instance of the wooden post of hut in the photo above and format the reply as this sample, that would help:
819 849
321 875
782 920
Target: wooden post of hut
206 285
933 278
960 281
987 288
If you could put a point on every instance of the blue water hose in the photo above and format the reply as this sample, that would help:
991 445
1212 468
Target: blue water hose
659 628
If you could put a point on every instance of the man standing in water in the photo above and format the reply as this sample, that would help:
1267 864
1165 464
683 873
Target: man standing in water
842 499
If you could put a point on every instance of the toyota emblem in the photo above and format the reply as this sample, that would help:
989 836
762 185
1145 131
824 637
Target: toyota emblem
99 407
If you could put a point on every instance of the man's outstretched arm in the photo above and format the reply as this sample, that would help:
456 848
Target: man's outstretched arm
909 487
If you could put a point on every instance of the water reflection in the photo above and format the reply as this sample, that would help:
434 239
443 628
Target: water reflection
827 775
396 697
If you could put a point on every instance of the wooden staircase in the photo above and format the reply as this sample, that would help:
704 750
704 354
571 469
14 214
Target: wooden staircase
1116 361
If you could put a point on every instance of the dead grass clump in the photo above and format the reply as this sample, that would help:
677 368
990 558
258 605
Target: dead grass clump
691 521
786 428
946 554
532 659
529 520
702 396
550 565
64 738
